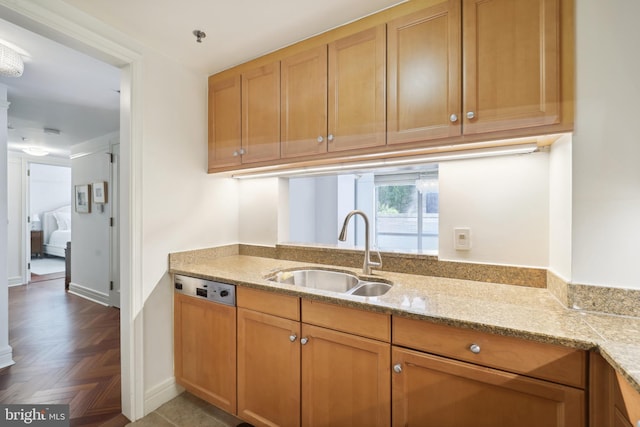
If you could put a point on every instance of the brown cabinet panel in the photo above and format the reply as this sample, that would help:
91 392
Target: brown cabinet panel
261 114
224 122
345 380
268 369
357 90
511 57
205 350
286 306
351 320
423 83
431 391
546 361
304 103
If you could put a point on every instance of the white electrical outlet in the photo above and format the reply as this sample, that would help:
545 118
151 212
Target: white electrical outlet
462 239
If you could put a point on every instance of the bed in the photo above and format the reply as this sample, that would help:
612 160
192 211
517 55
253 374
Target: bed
56 230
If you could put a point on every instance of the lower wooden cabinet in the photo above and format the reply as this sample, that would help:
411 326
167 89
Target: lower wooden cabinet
613 402
268 369
345 379
432 391
205 350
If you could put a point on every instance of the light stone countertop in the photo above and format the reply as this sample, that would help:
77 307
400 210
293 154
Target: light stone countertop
523 312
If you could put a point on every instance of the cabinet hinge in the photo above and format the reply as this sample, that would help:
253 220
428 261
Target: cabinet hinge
111 285
28 219
28 266
110 157
28 172
111 222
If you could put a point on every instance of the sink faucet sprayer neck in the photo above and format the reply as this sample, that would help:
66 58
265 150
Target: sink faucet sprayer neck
366 266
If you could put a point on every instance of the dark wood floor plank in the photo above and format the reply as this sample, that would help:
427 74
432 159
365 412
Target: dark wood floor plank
67 351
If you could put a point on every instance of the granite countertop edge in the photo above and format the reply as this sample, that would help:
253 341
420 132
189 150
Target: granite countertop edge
589 337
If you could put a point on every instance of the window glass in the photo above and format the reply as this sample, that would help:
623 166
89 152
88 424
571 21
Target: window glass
402 208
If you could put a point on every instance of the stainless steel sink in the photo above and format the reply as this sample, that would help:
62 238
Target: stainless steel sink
332 281
371 289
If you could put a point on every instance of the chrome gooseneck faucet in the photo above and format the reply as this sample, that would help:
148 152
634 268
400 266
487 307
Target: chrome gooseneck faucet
366 266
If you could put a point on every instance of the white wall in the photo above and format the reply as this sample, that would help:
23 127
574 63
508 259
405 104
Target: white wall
90 232
560 208
606 175
16 234
505 202
50 187
258 210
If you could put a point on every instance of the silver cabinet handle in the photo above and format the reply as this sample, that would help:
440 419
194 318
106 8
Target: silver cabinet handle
453 118
474 348
303 341
293 337
330 137
471 115
397 368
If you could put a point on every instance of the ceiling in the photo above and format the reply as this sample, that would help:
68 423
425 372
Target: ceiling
76 94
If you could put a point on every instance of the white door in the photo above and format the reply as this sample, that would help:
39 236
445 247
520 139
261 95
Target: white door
114 197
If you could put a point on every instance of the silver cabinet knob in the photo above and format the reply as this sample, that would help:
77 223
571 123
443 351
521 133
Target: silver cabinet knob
397 368
303 341
330 137
453 118
320 138
474 348
235 154
242 151
293 337
471 115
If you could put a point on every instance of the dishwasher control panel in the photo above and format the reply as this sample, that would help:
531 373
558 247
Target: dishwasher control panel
222 293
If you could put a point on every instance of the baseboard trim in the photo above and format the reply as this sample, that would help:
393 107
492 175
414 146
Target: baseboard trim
6 357
161 394
90 294
16 281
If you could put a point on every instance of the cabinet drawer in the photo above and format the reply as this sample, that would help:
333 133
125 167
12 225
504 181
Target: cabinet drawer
268 302
546 361
359 322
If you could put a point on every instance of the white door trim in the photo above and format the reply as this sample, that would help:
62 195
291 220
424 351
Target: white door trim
61 22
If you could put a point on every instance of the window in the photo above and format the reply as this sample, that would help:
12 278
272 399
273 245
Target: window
402 208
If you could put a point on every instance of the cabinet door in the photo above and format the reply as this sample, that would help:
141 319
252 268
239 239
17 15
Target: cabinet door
424 75
304 103
432 391
357 90
511 64
224 122
268 369
205 350
261 114
345 379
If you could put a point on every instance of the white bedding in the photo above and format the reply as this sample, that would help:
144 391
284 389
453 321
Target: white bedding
55 239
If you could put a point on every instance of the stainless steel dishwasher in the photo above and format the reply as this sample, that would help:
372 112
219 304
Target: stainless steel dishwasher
205 339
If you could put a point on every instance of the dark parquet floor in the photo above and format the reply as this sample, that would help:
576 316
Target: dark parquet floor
67 351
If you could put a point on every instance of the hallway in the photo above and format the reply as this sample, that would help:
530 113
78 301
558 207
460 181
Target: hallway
67 351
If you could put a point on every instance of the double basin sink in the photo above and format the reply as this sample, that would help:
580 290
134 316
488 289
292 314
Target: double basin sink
333 281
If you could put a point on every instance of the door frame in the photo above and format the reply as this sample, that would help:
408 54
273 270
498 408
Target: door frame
65 24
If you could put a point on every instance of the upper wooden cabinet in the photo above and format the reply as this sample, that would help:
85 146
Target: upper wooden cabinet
424 75
304 103
261 114
224 122
357 90
511 60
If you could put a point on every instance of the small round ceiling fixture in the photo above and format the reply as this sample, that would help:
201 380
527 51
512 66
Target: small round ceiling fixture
199 35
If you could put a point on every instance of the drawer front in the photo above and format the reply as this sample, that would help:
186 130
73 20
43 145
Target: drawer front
286 306
545 361
353 321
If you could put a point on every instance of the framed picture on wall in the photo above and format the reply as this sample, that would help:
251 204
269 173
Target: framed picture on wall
100 192
83 198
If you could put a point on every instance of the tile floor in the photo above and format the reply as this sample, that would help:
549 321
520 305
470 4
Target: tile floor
187 410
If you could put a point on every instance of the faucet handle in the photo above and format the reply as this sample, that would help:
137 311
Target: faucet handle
379 263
